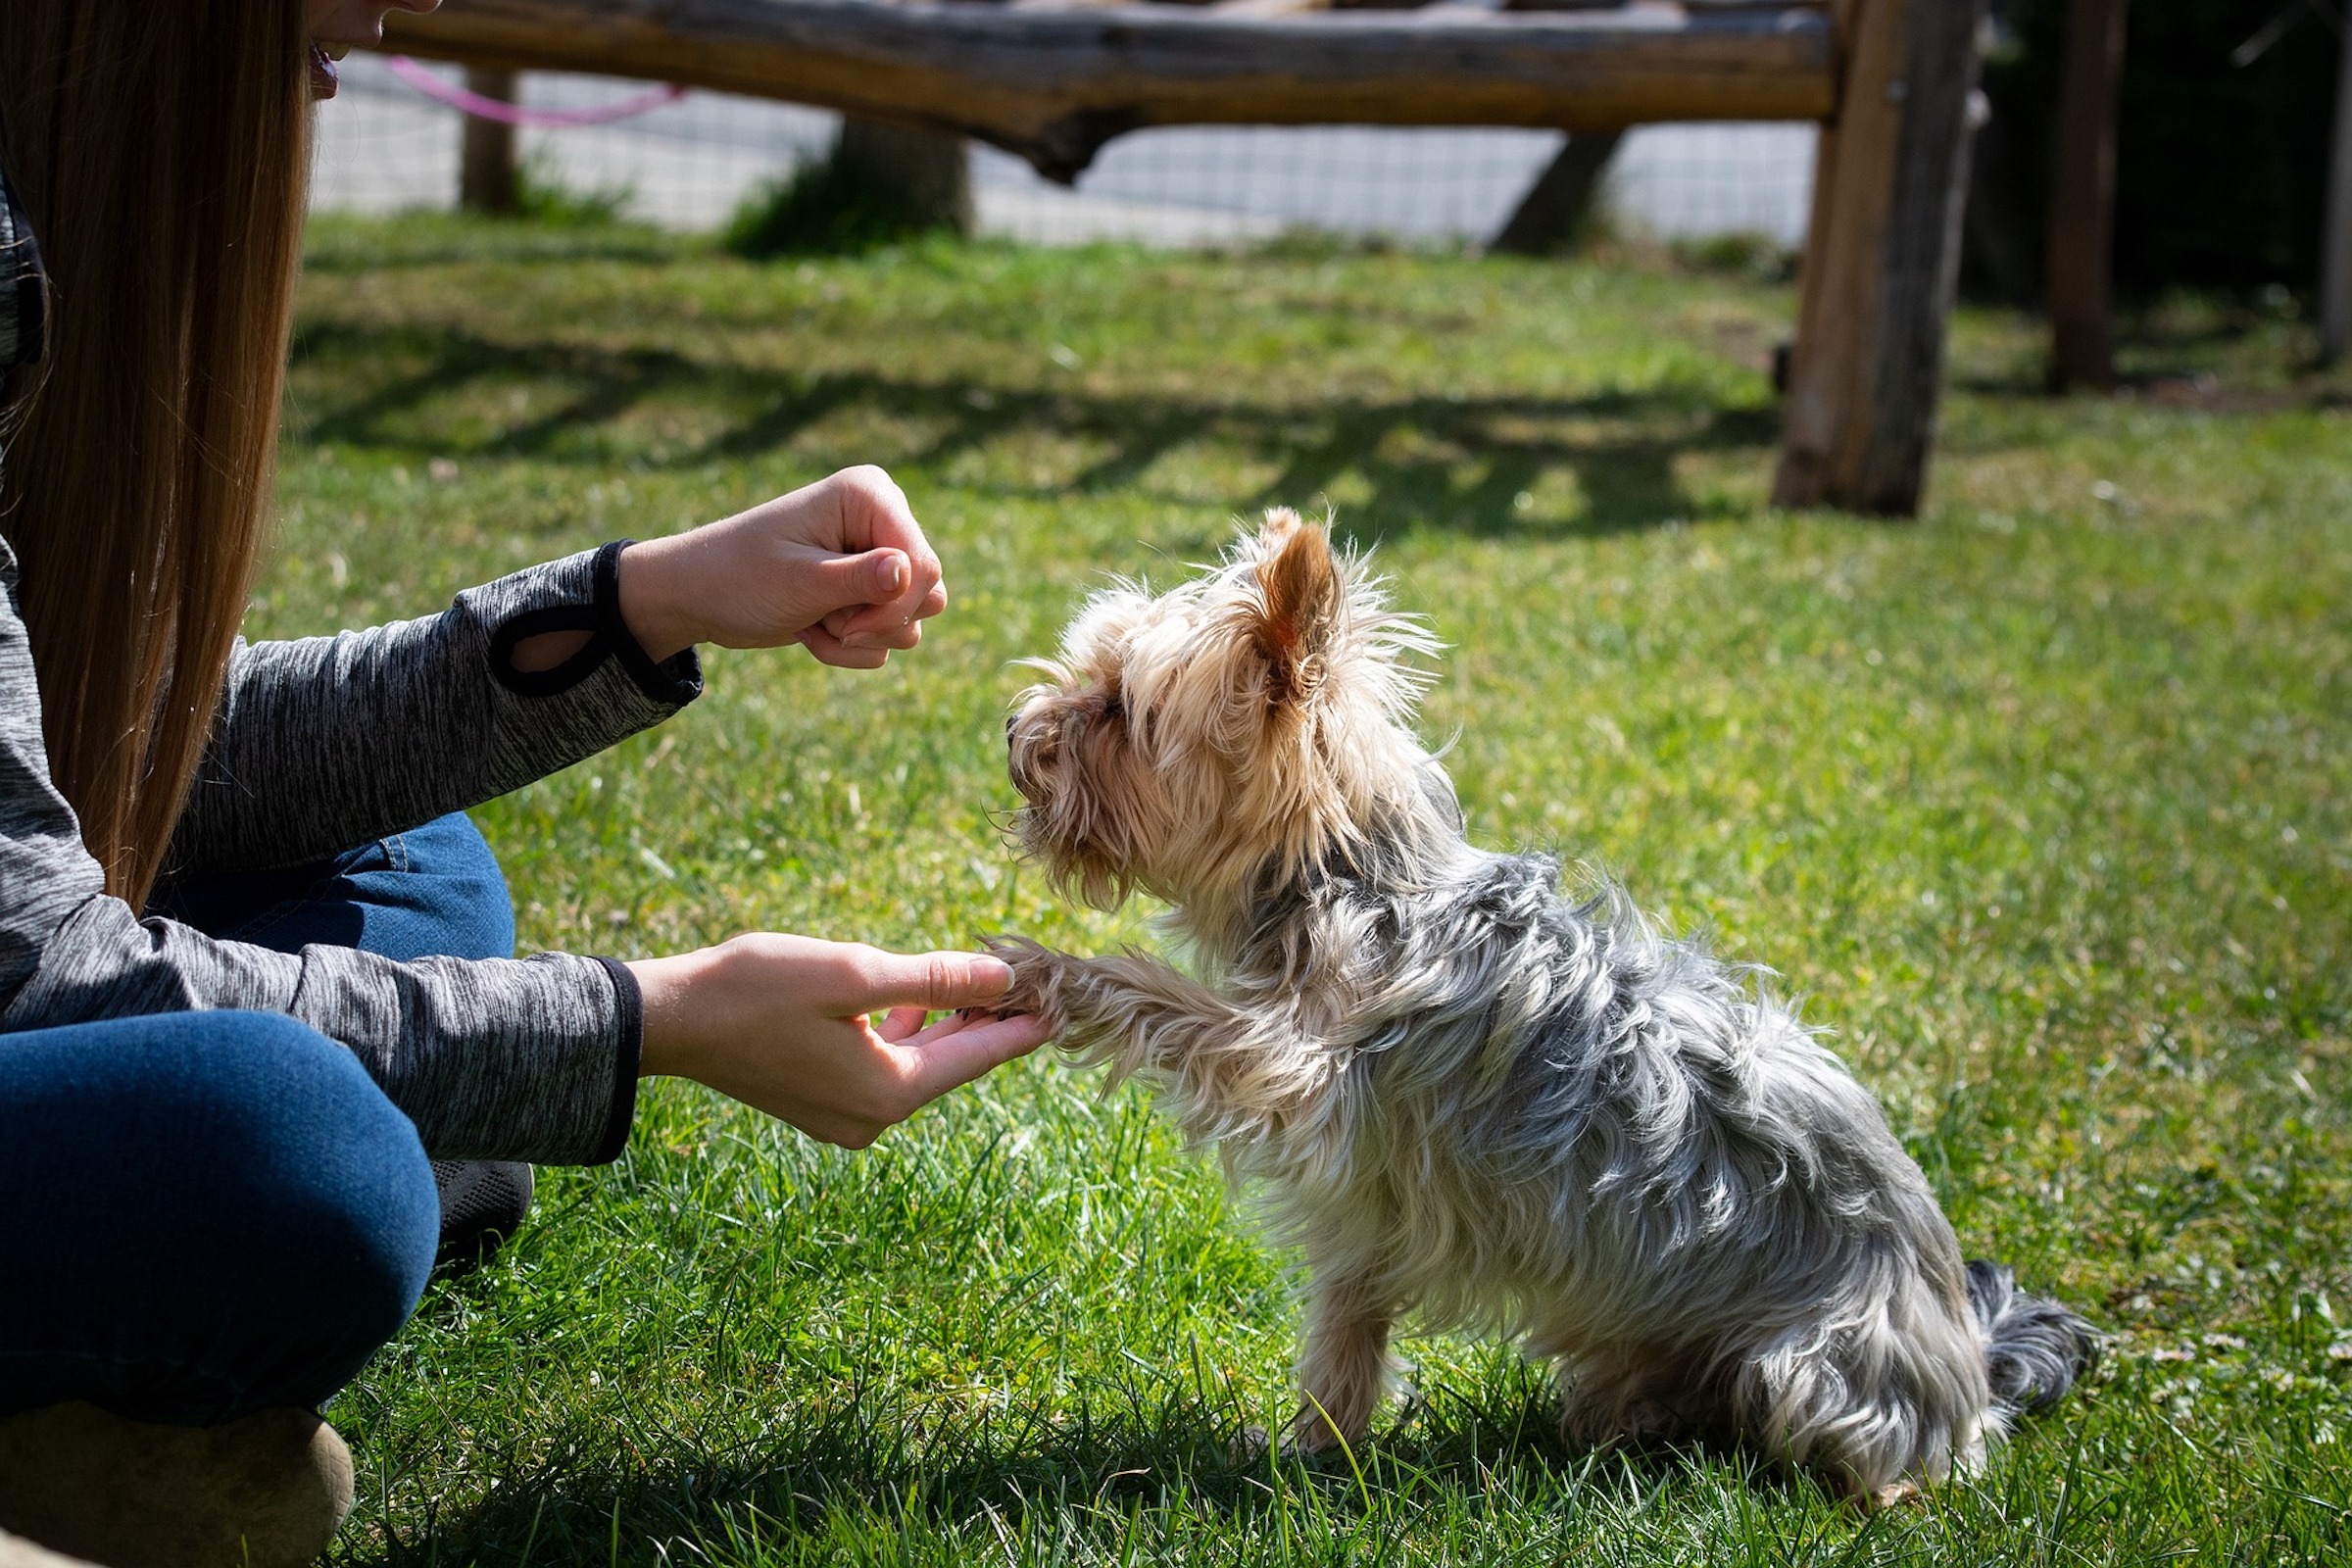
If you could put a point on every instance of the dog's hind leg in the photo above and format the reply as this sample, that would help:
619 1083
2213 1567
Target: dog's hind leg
1629 1398
1344 1367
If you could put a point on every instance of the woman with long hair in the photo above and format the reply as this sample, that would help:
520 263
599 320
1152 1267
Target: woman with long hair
262 1043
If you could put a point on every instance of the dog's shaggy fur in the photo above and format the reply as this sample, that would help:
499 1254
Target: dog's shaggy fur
1474 1101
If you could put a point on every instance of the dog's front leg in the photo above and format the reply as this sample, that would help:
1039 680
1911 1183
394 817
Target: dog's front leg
1130 1012
1344 1365
1223 1069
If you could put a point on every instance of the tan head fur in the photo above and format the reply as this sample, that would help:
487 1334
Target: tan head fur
1244 723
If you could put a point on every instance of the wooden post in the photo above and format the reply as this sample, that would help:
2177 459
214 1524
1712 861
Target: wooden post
1882 259
1557 205
486 178
925 176
2335 263
2082 198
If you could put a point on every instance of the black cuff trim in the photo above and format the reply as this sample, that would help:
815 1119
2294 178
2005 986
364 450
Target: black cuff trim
673 682
558 678
678 679
625 1066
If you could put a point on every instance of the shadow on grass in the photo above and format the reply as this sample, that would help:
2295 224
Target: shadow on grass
1464 463
855 1476
2195 352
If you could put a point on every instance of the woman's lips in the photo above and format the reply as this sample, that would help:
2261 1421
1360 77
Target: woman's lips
323 77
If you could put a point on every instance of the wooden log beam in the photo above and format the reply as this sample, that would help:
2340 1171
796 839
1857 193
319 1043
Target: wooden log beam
1054 85
1266 8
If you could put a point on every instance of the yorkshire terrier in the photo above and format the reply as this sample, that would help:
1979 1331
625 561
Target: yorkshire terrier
1477 1101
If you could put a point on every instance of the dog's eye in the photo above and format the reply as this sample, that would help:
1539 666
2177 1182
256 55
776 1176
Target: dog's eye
1115 708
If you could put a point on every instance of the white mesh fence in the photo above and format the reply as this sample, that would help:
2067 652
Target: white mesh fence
384 147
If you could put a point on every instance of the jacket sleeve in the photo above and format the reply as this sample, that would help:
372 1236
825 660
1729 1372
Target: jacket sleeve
327 742
500 1058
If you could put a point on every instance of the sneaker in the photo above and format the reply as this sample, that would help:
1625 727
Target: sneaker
18 1553
484 1202
269 1491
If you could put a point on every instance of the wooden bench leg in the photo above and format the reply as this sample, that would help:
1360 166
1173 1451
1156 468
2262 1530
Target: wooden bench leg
1882 259
487 176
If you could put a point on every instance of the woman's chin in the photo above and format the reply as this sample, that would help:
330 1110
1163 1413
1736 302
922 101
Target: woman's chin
324 79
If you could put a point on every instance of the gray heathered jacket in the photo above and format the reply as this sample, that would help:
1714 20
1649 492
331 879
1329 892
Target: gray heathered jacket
326 743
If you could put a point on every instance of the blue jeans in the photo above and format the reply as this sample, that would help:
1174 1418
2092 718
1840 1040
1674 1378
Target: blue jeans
205 1214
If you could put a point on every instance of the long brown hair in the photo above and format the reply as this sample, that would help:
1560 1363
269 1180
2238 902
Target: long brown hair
161 149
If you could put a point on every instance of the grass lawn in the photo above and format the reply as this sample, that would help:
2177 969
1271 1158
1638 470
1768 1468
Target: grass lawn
2043 803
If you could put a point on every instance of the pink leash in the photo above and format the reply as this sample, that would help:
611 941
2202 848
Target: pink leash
506 114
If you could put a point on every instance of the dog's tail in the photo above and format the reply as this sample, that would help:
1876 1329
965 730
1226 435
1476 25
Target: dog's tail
2035 1348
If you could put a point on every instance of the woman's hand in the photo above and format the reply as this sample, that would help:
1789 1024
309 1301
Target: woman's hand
782 1023
840 566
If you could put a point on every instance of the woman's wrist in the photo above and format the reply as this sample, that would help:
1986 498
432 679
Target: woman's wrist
668 987
657 597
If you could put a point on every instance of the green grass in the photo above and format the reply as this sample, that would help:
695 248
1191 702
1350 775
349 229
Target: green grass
2041 802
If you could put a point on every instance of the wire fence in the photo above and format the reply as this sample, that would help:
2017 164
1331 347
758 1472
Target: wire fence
383 147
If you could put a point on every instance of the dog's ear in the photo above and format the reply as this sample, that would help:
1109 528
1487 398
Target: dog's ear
1301 586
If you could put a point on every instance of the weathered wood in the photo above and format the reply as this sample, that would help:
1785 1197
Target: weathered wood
1612 5
1053 86
1266 8
2335 261
2082 198
1844 233
924 175
487 178
1881 260
1560 204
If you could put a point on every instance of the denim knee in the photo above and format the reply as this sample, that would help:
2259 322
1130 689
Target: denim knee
209 1213
434 889
357 1216
456 892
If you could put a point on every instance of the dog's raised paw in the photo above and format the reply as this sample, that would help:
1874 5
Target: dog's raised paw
1036 978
